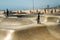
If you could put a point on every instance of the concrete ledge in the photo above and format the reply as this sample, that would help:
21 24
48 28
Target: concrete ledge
23 27
19 27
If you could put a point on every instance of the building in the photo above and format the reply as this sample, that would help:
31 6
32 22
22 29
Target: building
45 11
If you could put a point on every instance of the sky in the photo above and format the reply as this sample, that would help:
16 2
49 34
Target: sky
27 4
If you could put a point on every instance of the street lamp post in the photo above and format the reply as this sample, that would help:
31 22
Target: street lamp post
33 6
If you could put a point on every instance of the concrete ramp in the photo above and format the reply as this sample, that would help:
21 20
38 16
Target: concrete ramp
15 21
25 30
54 31
38 33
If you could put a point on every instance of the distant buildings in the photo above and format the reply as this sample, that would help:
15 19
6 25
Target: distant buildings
1 12
45 11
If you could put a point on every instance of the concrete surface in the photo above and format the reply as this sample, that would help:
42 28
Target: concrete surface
27 29
38 33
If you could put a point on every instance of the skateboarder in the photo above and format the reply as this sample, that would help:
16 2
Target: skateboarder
7 13
38 18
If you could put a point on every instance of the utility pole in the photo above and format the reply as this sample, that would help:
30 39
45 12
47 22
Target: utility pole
33 5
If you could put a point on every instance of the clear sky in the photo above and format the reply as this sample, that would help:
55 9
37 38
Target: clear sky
27 4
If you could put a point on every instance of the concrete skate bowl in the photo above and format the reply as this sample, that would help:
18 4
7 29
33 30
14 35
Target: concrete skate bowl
54 31
37 33
12 22
16 21
3 34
